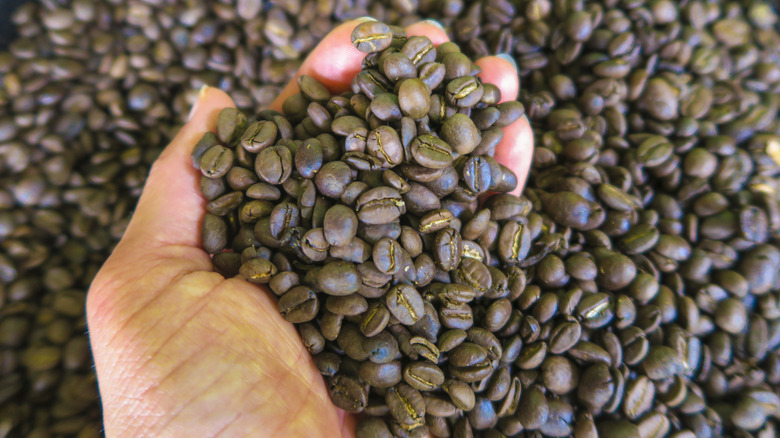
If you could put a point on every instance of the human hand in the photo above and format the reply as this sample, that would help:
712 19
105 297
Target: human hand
181 351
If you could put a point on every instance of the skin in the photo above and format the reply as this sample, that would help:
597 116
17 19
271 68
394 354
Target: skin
181 351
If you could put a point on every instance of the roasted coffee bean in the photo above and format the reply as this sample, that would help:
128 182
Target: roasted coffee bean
258 270
372 36
448 249
381 348
333 178
385 144
414 98
469 362
406 405
464 92
662 362
388 256
509 112
559 374
308 158
299 304
618 429
216 161
419 49
338 278
348 393
231 124
431 152
533 410
380 205
596 387
638 397
396 66
214 234
460 133
432 74
274 164
405 303
423 376
340 225
372 427
382 375
259 135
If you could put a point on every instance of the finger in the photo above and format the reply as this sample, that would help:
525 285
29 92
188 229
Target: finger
171 206
501 73
516 148
333 62
430 28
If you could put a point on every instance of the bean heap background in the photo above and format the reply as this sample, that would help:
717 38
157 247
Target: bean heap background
672 103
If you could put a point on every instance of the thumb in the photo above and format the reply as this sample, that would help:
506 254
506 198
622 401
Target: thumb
171 207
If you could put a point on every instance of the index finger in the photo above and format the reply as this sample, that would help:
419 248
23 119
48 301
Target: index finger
333 62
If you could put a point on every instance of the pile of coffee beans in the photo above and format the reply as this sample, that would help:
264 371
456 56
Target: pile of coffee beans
661 115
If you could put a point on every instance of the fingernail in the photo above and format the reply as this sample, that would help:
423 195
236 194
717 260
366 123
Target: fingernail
434 23
201 93
365 18
509 59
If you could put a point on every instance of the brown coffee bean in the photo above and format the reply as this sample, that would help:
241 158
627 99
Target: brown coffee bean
372 36
405 303
299 304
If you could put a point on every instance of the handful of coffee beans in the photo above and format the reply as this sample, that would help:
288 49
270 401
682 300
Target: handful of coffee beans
361 211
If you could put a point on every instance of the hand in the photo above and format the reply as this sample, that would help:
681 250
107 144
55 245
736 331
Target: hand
181 351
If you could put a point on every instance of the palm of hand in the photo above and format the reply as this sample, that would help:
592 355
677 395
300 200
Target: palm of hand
181 351
193 336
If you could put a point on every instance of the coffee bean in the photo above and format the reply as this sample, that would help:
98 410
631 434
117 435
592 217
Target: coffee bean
469 362
299 304
372 36
448 249
406 405
380 205
313 89
423 376
419 49
258 270
534 410
414 98
618 429
405 303
340 225
460 133
388 256
216 161
596 387
348 393
372 427
397 66
464 92
259 135
382 375
662 362
231 124
385 144
639 397
274 164
338 278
